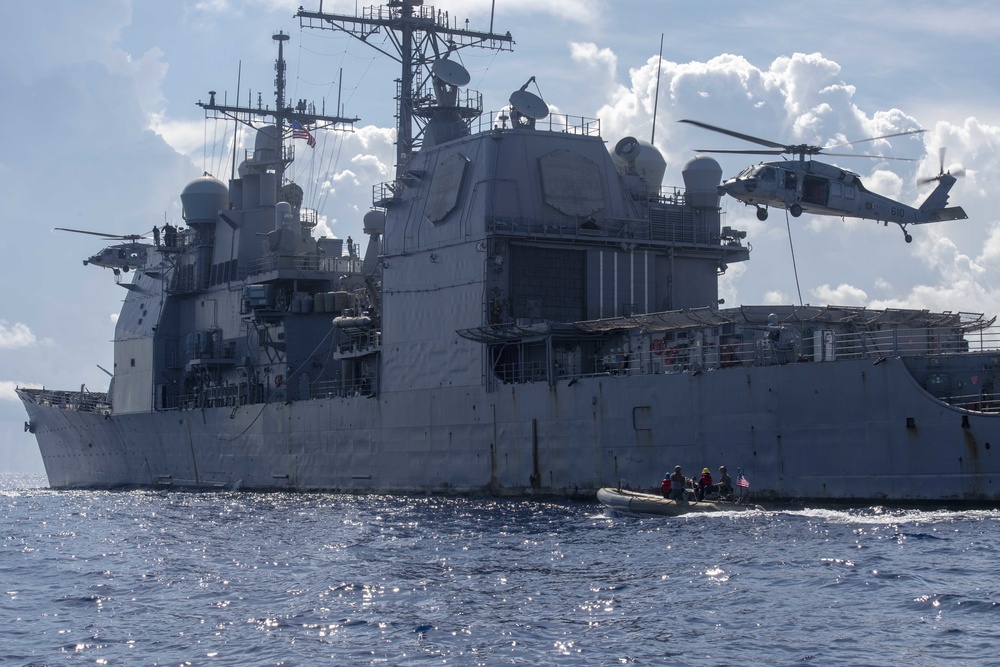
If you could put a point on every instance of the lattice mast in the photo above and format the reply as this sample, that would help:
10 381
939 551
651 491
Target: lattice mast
283 113
420 36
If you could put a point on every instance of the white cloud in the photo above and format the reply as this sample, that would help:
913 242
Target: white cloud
7 389
775 298
13 336
591 55
804 98
184 136
841 295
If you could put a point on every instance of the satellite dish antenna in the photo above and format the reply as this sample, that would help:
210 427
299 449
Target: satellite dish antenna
529 105
450 72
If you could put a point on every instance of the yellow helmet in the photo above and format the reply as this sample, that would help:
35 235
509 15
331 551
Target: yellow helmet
706 470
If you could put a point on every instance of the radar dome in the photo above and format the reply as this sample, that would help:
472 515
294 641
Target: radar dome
374 222
203 198
702 176
268 138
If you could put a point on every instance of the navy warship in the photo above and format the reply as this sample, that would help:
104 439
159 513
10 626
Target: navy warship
534 314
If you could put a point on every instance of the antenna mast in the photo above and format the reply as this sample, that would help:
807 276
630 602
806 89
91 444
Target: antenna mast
656 95
420 35
302 112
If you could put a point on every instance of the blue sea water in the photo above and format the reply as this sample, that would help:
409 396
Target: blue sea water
233 578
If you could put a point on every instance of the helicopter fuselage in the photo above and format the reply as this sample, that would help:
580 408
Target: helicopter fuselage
123 256
815 187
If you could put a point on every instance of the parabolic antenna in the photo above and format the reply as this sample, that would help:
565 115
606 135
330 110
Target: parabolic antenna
529 105
451 72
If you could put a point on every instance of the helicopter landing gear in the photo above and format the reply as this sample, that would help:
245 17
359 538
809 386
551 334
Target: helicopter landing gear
907 237
795 210
761 214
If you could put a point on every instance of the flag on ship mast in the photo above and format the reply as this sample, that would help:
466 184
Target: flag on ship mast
299 132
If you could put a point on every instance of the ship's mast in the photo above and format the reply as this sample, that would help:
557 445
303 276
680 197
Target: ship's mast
283 113
420 36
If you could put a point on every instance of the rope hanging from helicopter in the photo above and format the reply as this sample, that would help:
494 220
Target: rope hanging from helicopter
791 247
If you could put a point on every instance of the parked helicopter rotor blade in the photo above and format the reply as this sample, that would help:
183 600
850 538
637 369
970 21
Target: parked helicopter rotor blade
103 235
873 157
740 151
738 135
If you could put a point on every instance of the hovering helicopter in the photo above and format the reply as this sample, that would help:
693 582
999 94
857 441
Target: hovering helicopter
823 189
119 258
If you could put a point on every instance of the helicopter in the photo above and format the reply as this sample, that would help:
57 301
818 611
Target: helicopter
119 258
823 189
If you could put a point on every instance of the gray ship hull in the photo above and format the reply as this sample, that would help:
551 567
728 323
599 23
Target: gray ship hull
535 313
850 431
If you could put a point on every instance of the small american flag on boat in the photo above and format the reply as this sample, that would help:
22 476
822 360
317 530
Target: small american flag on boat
742 482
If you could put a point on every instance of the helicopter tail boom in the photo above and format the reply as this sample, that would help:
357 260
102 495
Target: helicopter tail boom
949 213
935 208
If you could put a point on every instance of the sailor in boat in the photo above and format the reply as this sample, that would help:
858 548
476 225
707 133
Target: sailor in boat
705 484
725 485
677 484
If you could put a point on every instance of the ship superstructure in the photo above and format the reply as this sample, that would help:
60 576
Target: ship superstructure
533 314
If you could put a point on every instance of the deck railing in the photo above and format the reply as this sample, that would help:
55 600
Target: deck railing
654 356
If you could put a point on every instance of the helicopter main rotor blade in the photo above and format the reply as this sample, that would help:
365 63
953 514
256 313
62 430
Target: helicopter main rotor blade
104 235
738 135
740 151
873 157
884 136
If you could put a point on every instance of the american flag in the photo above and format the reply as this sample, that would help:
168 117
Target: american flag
742 482
299 132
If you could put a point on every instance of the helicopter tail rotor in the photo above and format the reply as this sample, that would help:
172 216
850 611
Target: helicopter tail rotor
957 173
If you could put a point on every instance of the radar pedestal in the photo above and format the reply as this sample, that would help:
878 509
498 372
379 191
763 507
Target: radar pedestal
526 108
446 108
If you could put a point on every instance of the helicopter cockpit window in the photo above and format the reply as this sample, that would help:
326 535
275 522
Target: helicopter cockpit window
766 174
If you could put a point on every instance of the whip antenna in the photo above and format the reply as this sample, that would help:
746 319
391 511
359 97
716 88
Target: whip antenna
656 98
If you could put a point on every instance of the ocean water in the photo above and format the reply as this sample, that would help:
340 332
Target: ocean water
177 578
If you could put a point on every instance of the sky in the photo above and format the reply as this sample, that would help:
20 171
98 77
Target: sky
101 132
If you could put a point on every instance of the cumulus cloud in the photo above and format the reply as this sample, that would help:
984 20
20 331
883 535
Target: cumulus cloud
805 98
7 389
185 136
591 55
841 295
775 298
16 335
